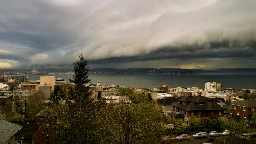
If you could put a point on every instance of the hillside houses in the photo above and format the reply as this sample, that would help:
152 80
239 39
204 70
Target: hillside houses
198 106
244 109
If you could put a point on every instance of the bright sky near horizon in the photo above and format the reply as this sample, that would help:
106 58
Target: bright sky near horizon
203 34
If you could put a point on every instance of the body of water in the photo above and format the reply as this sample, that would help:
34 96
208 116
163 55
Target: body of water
228 80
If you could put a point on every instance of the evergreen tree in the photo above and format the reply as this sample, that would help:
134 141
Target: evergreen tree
83 120
76 118
80 93
57 95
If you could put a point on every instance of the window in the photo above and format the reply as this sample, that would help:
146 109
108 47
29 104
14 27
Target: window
253 109
199 114
19 141
234 107
220 113
185 113
192 114
237 113
244 115
244 108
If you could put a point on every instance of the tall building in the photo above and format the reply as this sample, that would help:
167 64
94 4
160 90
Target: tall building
213 86
46 85
163 88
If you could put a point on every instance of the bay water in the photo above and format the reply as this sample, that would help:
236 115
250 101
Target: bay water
228 80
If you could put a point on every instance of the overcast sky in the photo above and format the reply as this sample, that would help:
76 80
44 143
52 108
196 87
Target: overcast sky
203 34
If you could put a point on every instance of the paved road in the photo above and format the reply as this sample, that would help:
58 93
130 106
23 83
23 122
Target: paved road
194 141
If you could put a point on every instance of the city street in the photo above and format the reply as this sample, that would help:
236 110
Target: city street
194 141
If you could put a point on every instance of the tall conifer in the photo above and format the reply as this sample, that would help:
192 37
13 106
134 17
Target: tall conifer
80 93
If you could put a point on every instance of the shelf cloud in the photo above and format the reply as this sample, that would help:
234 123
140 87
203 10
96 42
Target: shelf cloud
119 33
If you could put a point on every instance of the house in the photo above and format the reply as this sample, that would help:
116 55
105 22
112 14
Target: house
29 86
163 88
198 106
42 135
220 94
166 104
24 135
244 109
3 86
8 131
64 86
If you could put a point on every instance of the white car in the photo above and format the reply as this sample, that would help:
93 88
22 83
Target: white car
225 133
182 137
214 134
200 135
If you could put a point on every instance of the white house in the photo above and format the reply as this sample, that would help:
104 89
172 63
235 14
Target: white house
3 86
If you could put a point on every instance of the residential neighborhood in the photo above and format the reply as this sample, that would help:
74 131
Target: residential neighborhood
177 103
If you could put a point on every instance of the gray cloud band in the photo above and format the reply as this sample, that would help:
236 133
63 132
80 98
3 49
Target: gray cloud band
53 32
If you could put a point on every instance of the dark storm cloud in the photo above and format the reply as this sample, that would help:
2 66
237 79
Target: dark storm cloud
55 32
166 53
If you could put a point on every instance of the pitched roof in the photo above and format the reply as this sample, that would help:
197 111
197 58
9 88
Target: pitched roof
48 111
176 115
7 130
246 103
186 98
167 100
194 103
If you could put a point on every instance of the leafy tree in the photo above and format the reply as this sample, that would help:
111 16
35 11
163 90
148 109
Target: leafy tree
13 87
253 119
194 123
234 126
132 123
16 117
76 119
246 96
125 92
134 97
82 119
252 95
213 124
179 125
34 105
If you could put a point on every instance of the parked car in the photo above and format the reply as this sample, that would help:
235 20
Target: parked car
182 137
165 138
225 133
214 133
200 135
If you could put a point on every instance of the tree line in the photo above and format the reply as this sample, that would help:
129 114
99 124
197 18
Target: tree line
77 117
